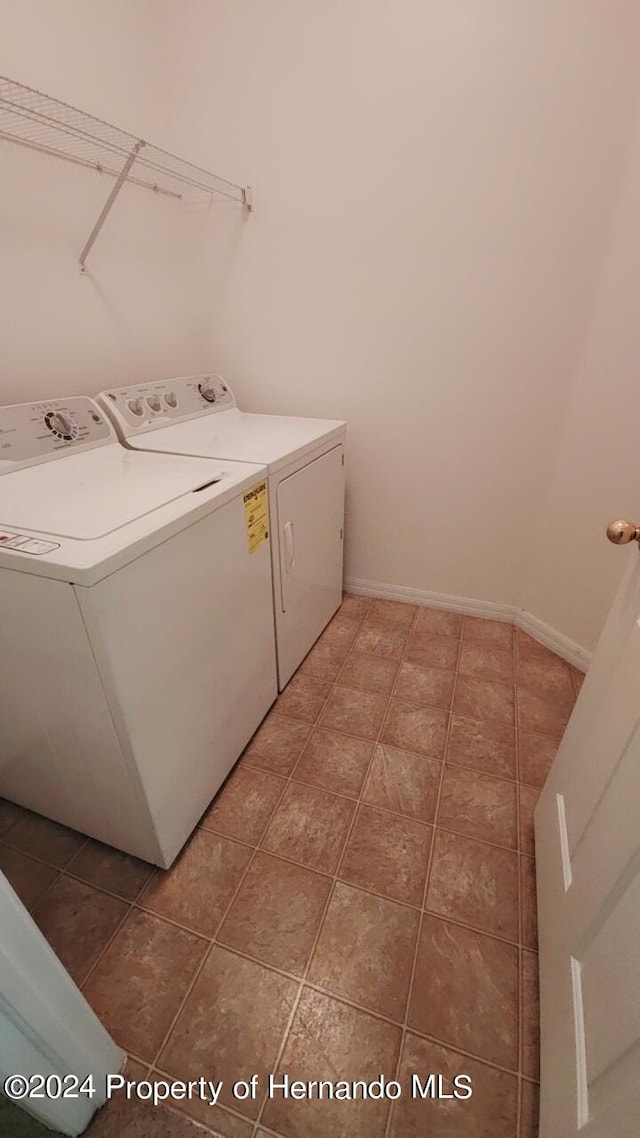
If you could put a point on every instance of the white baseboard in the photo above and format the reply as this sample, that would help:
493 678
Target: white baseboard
540 631
554 640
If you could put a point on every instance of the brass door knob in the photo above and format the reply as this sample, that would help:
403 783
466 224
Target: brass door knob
623 531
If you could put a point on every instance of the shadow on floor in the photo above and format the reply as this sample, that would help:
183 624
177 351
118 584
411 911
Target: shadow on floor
16 1123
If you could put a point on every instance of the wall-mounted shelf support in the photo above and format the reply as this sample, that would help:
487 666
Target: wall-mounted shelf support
115 190
48 126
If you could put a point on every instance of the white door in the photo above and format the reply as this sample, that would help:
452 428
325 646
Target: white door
47 1028
588 868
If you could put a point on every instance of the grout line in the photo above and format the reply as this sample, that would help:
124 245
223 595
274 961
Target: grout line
213 941
321 923
107 944
516 662
425 888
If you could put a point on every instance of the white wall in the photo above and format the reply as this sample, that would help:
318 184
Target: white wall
135 313
434 183
574 571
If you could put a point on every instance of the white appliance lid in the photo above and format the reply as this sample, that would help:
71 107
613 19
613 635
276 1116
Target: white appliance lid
91 494
239 436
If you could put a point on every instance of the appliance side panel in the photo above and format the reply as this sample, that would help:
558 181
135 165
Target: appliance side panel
59 752
188 658
310 525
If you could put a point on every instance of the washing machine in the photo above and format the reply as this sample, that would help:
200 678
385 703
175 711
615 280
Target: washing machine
137 649
198 415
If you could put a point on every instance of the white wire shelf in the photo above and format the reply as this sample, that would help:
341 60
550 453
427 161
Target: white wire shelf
50 126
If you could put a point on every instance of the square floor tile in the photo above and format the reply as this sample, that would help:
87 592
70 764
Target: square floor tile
548 676
479 805
231 1025
196 891
369 673
488 747
324 661
78 921
529 796
244 805
310 826
28 877
354 606
330 1040
438 622
491 1112
433 651
528 903
411 727
391 614
475 884
403 783
484 699
499 633
45 839
111 869
387 854
381 640
303 698
417 683
529 1109
486 661
354 712
9 815
365 950
334 762
141 980
530 1016
536 713
277 745
276 913
340 634
526 645
535 757
465 991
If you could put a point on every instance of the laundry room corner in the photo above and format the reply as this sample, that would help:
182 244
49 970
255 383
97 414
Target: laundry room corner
136 310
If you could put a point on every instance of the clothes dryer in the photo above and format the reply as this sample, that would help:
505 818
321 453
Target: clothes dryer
198 416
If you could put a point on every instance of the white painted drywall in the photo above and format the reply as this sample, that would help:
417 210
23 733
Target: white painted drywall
136 312
573 571
434 186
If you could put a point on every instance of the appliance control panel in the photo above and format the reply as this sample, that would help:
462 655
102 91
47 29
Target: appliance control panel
24 544
36 432
147 406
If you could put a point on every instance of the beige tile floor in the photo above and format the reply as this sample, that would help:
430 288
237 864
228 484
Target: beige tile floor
359 898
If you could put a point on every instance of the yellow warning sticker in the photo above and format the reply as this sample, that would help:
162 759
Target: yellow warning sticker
256 516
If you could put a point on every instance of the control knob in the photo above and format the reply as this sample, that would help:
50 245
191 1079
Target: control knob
207 391
154 403
62 426
135 406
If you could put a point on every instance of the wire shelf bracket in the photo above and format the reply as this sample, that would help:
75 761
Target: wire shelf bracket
46 125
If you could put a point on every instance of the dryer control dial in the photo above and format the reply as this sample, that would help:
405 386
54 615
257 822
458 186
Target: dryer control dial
60 425
154 403
135 406
207 391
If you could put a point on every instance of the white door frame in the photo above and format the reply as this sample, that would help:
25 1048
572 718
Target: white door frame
46 1025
